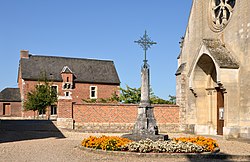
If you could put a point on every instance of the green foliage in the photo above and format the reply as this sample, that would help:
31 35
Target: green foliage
130 95
172 99
113 99
157 100
133 95
90 100
41 97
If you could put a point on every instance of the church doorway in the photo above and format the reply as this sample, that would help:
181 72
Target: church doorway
209 98
220 111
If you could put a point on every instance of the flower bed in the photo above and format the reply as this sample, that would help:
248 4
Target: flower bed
208 144
112 143
176 145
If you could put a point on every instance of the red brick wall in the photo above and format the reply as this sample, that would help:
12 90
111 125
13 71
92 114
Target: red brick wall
121 117
64 109
65 75
29 114
167 113
104 113
121 113
81 91
15 109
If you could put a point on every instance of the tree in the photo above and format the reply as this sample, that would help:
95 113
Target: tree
157 100
172 99
133 95
40 98
130 95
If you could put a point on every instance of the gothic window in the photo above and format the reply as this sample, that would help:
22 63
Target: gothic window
221 12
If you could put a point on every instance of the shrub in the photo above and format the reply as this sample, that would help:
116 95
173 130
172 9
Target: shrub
105 142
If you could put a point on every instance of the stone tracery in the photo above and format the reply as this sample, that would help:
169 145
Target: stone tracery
221 12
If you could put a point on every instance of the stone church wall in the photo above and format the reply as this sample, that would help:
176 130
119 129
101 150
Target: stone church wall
235 37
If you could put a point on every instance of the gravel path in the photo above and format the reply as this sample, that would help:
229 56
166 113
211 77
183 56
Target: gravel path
65 149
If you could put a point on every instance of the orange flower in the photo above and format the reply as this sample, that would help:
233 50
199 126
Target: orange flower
105 143
208 144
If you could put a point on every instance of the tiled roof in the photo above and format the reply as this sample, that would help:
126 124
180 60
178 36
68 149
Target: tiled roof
10 95
84 70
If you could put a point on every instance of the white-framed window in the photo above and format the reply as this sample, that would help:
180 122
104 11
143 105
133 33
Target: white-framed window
53 110
67 85
93 92
67 94
55 89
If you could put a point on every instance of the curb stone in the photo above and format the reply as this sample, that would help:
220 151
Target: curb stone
205 155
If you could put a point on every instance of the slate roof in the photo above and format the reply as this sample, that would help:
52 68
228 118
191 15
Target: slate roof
221 54
84 70
10 95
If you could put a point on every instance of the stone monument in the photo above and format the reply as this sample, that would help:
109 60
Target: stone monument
145 125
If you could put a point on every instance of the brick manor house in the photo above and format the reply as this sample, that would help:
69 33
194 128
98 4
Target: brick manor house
74 79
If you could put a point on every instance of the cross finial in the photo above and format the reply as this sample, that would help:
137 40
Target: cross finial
146 43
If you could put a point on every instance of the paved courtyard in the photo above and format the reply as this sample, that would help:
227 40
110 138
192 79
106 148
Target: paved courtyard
27 146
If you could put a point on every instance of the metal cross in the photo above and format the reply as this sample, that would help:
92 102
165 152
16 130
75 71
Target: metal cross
146 43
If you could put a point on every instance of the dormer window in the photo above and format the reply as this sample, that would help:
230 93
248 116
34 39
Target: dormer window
67 77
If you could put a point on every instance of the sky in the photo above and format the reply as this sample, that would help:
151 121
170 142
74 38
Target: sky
99 29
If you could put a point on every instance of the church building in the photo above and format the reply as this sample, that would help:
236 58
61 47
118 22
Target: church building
213 75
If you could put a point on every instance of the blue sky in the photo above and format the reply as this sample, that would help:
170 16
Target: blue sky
100 29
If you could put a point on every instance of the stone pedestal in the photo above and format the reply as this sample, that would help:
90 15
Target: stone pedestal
145 125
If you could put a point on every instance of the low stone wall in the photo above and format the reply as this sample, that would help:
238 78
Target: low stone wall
104 127
121 117
119 127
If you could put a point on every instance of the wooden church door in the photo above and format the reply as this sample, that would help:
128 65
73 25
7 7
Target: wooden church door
220 111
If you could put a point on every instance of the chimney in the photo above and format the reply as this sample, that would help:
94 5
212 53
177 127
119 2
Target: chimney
24 54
